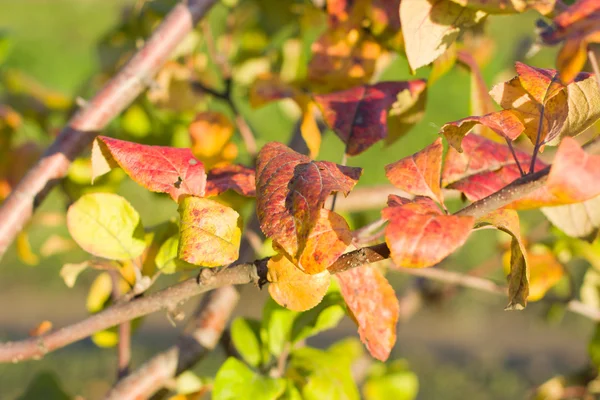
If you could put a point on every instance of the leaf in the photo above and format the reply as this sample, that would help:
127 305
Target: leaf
419 235
326 315
235 381
294 289
577 27
326 376
41 328
157 168
419 174
594 347
70 272
509 6
342 57
505 123
518 278
24 251
209 233
99 293
289 202
358 115
106 225
567 112
372 303
578 220
443 64
545 271
211 133
276 327
393 382
239 178
245 334
430 27
167 258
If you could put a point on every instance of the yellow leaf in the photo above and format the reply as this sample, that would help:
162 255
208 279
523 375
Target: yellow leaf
99 292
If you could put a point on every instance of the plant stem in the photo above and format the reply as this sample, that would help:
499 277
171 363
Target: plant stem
124 344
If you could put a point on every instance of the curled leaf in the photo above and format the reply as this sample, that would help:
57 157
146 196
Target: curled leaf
239 178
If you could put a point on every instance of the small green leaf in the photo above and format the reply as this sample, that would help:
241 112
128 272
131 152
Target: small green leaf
391 382
327 377
326 315
70 272
106 225
245 334
166 258
188 382
276 326
99 293
350 349
236 381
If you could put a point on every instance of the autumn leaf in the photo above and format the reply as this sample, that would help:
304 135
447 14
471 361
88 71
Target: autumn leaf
106 225
41 328
209 233
294 289
419 174
157 168
567 111
419 234
430 27
505 123
239 178
509 6
359 115
580 220
345 11
342 57
211 133
518 278
373 305
289 202
578 26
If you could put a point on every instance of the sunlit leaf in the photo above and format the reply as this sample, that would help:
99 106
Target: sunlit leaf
358 115
99 292
235 381
419 234
245 335
509 6
41 328
419 174
209 233
235 177
430 27
577 220
70 272
159 169
391 382
106 225
373 305
326 315
545 271
211 132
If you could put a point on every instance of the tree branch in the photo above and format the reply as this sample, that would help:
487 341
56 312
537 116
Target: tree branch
199 338
83 127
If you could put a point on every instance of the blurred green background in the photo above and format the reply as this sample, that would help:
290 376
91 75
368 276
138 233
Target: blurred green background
466 348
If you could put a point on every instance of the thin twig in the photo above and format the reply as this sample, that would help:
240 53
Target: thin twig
81 130
514 155
595 67
335 195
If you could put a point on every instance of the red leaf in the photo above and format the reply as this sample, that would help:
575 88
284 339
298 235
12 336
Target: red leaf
374 307
359 115
542 84
419 235
157 168
235 177
505 123
291 190
420 173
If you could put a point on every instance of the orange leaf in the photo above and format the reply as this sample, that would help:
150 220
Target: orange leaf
518 277
420 173
41 328
294 289
157 168
359 115
210 133
209 232
291 190
544 272
372 302
235 177
419 235
505 123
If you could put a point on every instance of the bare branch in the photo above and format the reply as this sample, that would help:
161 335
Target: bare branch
199 338
81 130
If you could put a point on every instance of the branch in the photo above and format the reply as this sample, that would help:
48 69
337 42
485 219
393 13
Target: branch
199 338
83 127
124 344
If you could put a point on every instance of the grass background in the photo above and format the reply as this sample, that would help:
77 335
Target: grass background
466 348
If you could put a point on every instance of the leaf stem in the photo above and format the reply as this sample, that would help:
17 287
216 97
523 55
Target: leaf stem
514 155
344 162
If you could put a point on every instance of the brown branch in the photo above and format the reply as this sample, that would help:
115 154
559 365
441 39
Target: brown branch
199 338
124 345
81 130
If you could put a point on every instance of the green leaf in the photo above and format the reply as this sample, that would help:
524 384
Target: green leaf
106 225
45 386
324 316
166 258
70 272
236 381
245 334
350 349
391 382
188 382
327 377
276 328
